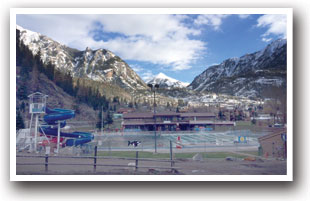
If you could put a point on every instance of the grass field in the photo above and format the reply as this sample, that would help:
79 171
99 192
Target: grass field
143 154
243 123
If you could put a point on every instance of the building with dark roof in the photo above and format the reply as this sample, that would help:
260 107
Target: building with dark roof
171 121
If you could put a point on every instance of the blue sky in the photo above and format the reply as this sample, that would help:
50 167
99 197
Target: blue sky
180 46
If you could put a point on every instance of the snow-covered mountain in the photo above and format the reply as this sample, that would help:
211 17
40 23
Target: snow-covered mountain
99 65
167 82
248 75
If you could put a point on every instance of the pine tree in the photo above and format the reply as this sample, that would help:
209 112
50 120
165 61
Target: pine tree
19 121
22 92
98 124
130 105
109 118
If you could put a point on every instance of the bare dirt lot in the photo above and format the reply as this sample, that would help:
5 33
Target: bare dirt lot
84 166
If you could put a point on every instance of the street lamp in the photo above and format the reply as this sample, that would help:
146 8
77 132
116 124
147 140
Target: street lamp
153 88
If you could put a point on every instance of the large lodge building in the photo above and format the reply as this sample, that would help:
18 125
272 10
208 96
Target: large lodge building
171 121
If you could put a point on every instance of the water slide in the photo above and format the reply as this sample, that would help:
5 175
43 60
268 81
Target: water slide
51 128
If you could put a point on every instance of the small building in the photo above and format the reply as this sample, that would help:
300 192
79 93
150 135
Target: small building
124 110
273 145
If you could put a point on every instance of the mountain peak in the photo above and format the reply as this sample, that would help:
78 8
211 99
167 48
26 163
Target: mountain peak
28 36
248 75
99 65
88 49
164 76
165 81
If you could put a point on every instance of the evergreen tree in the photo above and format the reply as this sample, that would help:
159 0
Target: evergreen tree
19 55
100 116
109 118
114 108
221 115
22 106
19 121
50 70
130 105
168 105
116 99
22 92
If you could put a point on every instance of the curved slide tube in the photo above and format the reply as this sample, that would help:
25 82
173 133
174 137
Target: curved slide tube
55 115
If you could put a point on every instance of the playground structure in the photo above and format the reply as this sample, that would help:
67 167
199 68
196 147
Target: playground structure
49 131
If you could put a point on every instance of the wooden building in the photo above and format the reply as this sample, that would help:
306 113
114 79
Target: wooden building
273 145
171 121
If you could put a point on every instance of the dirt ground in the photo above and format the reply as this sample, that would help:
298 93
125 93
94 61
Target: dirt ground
84 166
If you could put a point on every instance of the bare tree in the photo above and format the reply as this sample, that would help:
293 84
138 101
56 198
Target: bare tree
276 105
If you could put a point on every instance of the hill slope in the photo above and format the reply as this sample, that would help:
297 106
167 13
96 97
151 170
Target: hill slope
98 65
248 75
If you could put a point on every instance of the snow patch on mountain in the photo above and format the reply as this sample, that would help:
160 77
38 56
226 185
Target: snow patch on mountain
99 65
165 81
248 75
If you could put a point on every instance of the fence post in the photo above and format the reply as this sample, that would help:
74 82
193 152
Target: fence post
171 161
46 162
137 156
95 159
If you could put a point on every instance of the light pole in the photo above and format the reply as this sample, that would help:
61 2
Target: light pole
153 88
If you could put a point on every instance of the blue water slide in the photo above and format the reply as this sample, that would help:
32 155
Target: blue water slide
53 116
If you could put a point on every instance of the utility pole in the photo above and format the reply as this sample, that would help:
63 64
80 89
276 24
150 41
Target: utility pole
58 137
36 132
155 123
101 119
153 88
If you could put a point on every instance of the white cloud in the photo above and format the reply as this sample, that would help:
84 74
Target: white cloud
169 52
212 20
243 16
275 23
159 39
137 68
153 26
66 29
147 76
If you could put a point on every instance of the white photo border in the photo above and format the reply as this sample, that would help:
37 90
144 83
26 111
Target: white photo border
287 11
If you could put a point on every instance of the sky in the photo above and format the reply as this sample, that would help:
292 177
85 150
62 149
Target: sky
180 46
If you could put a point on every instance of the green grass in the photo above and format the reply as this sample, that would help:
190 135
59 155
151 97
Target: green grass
255 153
143 154
132 154
243 123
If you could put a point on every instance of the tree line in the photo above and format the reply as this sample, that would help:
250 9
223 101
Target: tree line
64 79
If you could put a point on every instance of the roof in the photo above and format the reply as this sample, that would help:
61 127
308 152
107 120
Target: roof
197 114
224 123
134 123
37 94
212 122
200 122
273 134
136 115
125 110
167 114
